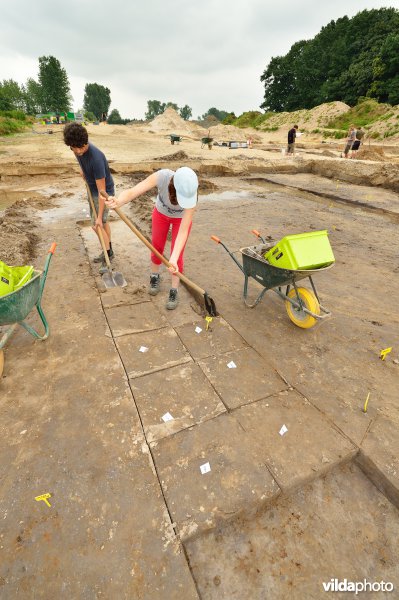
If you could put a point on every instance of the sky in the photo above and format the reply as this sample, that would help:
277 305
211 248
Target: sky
207 53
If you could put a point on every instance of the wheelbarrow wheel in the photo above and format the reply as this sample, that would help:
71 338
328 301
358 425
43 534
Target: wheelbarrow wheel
300 317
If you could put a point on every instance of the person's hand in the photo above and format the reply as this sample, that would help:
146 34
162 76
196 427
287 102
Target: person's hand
111 202
173 268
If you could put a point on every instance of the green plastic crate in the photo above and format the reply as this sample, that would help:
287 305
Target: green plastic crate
302 251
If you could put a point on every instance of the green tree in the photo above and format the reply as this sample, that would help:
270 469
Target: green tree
154 108
54 85
97 99
11 95
347 59
115 117
186 112
219 114
32 95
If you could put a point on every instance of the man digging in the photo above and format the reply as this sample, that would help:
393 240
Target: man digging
96 173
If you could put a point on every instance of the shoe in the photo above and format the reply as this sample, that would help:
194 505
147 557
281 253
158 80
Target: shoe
100 257
155 281
173 299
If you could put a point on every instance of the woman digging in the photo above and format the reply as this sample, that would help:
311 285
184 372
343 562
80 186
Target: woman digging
174 208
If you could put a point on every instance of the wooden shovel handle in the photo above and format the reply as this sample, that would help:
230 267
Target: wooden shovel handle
129 223
100 233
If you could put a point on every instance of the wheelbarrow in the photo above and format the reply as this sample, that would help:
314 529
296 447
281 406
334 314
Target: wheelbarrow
16 306
175 138
303 305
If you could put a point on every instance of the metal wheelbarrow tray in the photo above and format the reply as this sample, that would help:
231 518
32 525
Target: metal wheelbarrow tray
16 306
303 305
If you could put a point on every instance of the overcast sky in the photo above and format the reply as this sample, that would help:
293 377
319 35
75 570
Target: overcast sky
204 53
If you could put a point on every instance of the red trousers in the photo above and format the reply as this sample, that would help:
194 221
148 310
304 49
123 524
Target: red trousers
160 227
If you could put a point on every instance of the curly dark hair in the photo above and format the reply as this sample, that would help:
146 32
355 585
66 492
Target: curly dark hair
75 135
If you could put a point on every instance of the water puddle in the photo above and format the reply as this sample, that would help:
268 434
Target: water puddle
227 195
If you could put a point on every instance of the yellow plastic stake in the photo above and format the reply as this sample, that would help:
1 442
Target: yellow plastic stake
208 322
44 498
383 353
366 403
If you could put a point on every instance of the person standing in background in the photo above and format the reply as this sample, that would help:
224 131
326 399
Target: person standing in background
291 140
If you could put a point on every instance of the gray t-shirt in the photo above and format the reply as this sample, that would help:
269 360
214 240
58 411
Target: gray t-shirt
163 203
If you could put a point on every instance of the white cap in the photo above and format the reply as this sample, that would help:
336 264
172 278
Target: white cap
186 186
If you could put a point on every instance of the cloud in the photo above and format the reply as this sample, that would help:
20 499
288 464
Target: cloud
209 53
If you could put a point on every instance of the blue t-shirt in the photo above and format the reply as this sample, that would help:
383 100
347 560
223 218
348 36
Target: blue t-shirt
95 166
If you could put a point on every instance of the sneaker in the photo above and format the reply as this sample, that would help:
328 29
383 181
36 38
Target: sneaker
173 300
155 281
100 257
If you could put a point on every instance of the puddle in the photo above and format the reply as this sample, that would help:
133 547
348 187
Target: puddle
228 195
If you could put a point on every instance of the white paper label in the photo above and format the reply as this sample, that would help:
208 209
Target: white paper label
205 468
283 430
143 349
167 417
198 330
232 365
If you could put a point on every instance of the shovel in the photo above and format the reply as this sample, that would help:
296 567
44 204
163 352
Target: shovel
110 278
202 295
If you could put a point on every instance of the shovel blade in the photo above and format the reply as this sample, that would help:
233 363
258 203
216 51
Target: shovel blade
119 280
108 280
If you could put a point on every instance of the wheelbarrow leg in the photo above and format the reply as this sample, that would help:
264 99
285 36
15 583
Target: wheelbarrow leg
245 294
30 329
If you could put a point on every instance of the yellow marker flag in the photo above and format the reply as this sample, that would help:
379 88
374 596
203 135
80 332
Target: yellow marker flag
366 403
44 498
208 322
383 353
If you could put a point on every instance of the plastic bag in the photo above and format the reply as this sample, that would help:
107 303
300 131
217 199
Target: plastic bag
13 278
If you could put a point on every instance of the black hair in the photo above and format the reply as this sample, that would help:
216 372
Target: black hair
75 135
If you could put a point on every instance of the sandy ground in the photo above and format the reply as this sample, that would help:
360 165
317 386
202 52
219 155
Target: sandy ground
81 412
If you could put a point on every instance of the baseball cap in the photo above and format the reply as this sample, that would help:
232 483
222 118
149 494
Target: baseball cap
186 186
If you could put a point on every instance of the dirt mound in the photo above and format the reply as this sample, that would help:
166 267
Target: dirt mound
171 122
180 155
231 133
318 116
17 240
371 153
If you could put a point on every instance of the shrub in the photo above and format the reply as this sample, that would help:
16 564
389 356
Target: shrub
11 126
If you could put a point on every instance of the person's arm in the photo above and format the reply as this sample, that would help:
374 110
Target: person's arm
181 238
131 194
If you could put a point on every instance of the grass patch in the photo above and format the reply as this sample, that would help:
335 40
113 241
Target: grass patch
10 126
365 112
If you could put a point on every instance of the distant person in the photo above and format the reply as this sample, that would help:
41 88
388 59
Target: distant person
249 142
57 117
291 140
358 141
96 173
104 118
350 140
174 208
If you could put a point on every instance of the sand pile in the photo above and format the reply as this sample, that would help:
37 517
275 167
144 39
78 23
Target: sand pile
371 153
226 133
171 122
316 117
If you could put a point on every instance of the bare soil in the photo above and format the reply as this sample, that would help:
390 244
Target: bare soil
74 413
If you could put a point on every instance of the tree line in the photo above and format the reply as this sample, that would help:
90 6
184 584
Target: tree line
347 59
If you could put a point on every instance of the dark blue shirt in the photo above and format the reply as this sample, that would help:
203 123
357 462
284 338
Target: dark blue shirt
95 166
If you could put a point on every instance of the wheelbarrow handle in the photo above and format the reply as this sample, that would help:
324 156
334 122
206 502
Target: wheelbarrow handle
215 239
258 235
52 248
